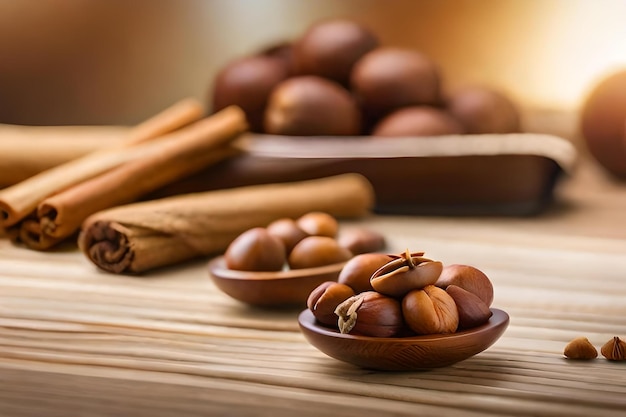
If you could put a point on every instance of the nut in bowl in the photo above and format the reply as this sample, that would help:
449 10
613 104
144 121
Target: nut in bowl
417 314
281 264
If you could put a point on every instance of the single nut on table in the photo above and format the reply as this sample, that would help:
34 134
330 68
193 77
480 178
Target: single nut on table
315 251
580 348
472 310
324 299
614 349
288 231
469 278
361 240
409 271
318 223
357 272
371 314
430 310
255 250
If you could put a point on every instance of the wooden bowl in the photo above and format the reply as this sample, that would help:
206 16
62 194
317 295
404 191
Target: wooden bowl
489 174
271 289
403 353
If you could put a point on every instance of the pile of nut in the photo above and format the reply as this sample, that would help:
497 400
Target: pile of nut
384 295
337 79
309 241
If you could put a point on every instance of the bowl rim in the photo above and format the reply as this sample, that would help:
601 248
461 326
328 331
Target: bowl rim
560 150
217 268
307 321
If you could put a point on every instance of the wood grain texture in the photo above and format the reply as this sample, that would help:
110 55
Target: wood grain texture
77 341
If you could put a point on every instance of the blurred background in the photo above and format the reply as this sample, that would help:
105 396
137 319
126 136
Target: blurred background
118 62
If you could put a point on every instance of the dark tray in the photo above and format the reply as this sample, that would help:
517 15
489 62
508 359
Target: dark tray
513 174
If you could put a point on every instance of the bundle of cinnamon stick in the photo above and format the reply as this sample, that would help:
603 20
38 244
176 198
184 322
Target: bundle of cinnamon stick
29 150
138 237
49 207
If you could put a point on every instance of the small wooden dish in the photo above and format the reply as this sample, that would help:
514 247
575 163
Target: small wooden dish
271 289
403 353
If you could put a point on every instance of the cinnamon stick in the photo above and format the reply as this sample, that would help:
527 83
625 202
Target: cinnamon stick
173 156
138 237
28 150
19 200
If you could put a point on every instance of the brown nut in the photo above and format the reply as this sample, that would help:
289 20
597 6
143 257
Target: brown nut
484 110
472 310
318 223
388 78
418 121
580 348
247 82
602 122
281 50
409 271
430 311
315 251
370 314
357 271
324 299
614 349
361 240
331 47
468 278
255 250
311 106
288 231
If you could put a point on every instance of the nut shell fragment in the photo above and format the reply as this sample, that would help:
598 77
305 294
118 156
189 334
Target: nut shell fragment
614 349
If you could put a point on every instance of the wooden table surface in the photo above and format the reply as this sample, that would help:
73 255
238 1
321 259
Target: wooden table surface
78 342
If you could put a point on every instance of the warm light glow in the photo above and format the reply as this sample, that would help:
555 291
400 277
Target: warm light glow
579 44
546 54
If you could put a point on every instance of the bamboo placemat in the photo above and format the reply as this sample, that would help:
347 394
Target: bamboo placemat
77 341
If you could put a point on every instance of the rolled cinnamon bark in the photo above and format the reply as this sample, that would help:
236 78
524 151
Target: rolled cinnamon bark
142 236
173 156
19 200
29 150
